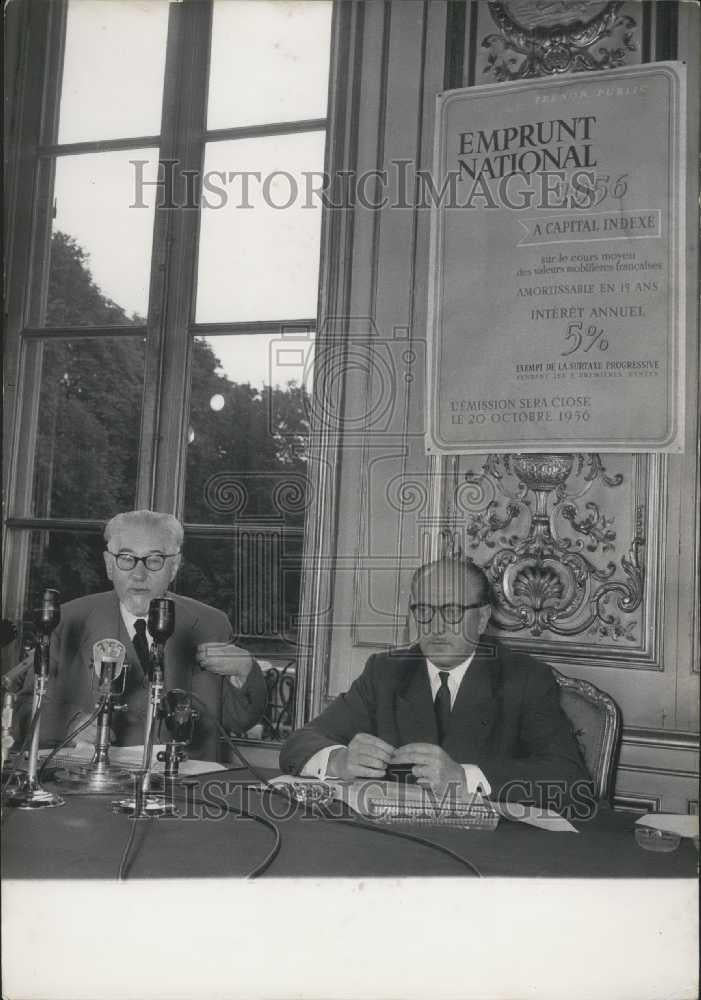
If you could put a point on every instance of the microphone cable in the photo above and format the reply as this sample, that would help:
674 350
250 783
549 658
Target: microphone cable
361 823
64 743
262 866
28 738
392 831
231 810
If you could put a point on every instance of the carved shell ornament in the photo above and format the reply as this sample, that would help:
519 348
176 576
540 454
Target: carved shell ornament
545 575
546 37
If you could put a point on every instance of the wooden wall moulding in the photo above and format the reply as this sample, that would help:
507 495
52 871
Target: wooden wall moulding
636 803
572 546
537 38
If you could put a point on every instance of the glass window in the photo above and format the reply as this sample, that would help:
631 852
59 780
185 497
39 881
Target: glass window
260 235
113 69
253 576
269 62
68 561
87 445
247 449
101 239
85 414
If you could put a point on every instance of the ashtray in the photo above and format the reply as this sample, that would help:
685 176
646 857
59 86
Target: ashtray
652 839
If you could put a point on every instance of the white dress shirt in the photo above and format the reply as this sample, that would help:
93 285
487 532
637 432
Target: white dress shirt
475 778
128 618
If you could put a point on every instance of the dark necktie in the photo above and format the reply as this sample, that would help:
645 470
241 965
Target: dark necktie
441 705
141 645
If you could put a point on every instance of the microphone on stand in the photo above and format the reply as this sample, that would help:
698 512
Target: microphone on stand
29 794
161 625
180 718
161 619
100 775
49 614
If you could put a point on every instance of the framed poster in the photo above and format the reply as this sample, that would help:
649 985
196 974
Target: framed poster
556 305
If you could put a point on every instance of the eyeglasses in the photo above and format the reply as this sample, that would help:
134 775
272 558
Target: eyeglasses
452 614
153 562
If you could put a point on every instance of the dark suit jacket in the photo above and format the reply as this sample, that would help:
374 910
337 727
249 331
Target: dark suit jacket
71 687
506 718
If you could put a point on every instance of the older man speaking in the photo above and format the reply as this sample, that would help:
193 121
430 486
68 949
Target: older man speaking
142 558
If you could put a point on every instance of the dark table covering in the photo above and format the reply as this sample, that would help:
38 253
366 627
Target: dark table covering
84 839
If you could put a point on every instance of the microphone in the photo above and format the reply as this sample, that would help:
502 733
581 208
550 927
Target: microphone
179 717
49 614
161 619
100 775
178 714
161 625
30 794
108 656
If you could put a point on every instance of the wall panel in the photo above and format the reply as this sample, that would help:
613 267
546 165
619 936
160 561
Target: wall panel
393 500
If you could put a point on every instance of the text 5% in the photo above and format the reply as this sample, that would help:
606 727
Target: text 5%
584 339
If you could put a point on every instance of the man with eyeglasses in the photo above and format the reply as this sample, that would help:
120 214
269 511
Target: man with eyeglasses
142 557
457 708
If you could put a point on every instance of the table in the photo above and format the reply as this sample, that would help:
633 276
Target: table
85 840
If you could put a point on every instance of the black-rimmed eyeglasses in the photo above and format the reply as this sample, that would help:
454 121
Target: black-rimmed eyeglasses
153 562
452 614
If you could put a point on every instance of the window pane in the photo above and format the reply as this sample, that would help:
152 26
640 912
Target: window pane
69 561
90 397
100 241
259 238
253 576
113 69
247 450
269 62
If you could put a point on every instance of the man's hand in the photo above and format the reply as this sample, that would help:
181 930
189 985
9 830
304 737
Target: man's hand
365 756
225 659
433 768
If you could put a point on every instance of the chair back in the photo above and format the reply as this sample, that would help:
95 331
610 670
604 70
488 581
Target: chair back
596 722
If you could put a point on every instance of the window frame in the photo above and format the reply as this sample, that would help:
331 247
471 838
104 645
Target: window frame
170 328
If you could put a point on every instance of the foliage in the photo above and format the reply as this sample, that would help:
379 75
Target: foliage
87 449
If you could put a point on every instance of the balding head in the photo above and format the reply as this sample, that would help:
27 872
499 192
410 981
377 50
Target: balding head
464 575
450 601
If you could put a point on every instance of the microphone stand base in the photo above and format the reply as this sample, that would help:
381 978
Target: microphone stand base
32 796
151 806
93 780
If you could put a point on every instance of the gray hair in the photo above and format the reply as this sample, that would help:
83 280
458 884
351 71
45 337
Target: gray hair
149 519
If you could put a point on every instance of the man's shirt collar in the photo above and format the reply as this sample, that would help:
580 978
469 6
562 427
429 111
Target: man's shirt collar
128 618
455 676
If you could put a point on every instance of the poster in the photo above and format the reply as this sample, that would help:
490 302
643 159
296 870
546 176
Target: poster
557 265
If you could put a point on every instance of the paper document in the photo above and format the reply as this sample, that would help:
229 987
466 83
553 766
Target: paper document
130 758
372 798
544 819
681 824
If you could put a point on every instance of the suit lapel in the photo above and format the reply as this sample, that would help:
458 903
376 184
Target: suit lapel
180 649
416 719
103 622
475 708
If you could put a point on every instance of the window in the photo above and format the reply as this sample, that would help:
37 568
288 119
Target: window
165 326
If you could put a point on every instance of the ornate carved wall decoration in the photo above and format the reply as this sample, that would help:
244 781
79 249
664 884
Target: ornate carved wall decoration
545 37
564 568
